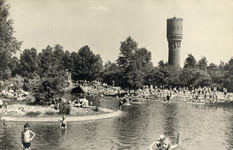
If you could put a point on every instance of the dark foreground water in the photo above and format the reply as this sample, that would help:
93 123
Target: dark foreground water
202 128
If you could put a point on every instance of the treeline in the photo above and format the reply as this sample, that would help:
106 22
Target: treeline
83 64
131 70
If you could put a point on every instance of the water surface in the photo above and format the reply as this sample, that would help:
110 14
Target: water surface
202 127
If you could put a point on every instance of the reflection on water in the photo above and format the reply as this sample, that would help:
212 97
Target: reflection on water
201 126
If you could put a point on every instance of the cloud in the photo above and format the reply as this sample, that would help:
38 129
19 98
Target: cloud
100 8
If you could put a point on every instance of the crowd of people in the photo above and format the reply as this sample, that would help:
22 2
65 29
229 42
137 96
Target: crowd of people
206 93
98 87
12 92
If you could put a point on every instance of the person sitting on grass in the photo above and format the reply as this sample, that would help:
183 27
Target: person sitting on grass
164 143
23 109
189 98
229 97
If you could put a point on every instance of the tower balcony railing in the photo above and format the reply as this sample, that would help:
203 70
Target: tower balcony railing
174 38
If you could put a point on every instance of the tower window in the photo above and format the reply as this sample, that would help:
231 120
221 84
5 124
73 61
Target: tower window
173 27
178 28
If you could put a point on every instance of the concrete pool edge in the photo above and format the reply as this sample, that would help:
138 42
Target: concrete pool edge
68 118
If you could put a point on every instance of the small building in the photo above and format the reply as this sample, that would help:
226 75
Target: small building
78 90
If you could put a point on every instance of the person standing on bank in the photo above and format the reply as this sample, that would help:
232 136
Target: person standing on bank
25 137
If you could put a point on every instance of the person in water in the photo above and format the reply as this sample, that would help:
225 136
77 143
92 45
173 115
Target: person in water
168 98
120 104
164 143
25 137
63 124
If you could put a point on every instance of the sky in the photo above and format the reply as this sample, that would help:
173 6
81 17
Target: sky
104 24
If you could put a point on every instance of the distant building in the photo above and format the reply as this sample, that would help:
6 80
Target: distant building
78 90
174 38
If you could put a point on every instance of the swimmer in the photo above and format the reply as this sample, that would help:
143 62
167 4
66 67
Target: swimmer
63 124
120 104
164 143
25 137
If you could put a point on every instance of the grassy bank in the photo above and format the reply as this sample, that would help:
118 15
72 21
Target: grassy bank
26 108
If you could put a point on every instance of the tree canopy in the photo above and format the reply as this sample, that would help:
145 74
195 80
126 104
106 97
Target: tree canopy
190 62
87 65
134 64
132 69
8 43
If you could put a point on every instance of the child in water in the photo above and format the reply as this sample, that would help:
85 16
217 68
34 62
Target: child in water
25 137
63 124
164 143
120 104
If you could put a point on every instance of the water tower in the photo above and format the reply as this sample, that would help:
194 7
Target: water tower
174 38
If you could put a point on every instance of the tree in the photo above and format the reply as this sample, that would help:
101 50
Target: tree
217 74
161 64
134 63
187 77
151 77
14 66
8 43
110 73
162 73
74 62
59 52
87 64
17 82
46 59
201 78
229 75
51 86
29 63
190 62
141 65
143 60
202 64
167 75
127 51
191 77
173 79
67 61
52 74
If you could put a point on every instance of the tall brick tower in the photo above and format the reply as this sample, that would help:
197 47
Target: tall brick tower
174 38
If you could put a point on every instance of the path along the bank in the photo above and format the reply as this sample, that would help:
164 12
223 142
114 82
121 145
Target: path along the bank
68 118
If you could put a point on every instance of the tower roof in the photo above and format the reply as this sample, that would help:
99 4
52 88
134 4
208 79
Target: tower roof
174 18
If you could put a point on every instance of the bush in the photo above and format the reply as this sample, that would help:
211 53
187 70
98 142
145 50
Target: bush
65 108
95 99
49 112
33 114
137 100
